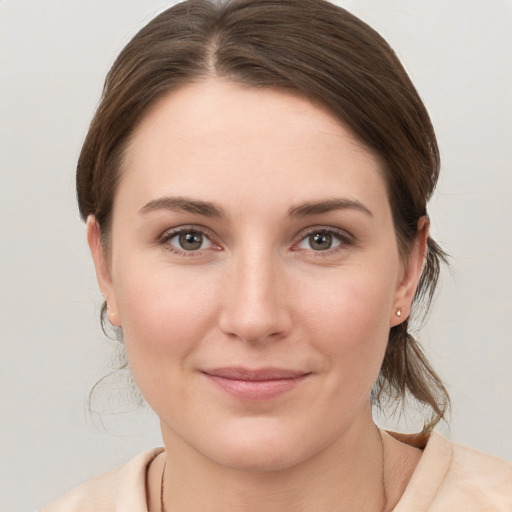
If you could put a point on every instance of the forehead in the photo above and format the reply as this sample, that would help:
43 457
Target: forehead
211 135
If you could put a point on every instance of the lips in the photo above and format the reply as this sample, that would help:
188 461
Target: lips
257 384
254 375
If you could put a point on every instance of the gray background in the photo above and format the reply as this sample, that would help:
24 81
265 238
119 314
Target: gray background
53 58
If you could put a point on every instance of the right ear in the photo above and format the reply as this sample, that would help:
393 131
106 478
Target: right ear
103 273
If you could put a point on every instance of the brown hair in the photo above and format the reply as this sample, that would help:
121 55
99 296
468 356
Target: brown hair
310 47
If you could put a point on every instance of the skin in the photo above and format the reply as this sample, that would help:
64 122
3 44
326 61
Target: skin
258 293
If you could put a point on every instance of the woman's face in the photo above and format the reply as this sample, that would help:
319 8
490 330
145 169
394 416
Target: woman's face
255 273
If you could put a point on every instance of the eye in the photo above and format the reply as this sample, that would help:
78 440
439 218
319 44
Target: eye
188 240
323 239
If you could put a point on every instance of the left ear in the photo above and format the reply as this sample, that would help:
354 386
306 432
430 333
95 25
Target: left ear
413 267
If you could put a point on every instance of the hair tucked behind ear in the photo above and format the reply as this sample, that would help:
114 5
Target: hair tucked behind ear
405 369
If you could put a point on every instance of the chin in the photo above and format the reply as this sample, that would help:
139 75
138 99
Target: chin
261 446
258 459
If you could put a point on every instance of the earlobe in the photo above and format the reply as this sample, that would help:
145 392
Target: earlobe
406 289
103 273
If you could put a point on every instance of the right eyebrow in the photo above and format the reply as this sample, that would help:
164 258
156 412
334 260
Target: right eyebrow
183 204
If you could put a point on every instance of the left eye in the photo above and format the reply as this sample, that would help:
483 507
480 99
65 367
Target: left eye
320 241
190 240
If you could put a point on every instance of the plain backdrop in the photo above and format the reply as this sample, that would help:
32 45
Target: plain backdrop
54 55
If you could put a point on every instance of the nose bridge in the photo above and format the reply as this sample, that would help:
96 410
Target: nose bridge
255 308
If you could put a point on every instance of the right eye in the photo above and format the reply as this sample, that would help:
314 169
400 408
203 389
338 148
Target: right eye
187 240
320 241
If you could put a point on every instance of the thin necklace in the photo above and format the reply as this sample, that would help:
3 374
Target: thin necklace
162 507
384 508
383 469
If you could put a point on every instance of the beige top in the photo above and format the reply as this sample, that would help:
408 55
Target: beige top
448 478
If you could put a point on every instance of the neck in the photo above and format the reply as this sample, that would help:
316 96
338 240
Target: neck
347 475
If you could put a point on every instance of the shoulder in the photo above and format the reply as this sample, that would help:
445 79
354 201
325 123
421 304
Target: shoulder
479 479
97 494
452 477
121 488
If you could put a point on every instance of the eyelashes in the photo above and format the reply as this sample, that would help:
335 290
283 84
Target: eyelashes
189 241
193 241
324 240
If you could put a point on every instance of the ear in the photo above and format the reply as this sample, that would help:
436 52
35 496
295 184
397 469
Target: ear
103 273
413 267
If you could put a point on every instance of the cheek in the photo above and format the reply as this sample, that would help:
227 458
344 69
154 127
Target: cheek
350 316
164 316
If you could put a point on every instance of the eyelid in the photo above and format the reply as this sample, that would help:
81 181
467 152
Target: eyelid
342 235
346 239
169 234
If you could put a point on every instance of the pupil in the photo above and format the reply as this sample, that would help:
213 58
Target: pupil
191 241
321 241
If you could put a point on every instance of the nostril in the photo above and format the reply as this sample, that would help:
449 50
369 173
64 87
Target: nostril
255 307
255 326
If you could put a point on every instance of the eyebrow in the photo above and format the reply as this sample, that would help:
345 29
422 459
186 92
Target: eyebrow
211 210
185 205
329 205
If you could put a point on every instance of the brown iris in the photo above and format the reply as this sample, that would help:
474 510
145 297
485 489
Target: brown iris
191 241
320 241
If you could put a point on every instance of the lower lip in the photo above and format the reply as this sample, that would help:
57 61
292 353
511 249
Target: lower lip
256 390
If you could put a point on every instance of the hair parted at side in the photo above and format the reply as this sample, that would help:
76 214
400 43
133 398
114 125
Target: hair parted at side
309 47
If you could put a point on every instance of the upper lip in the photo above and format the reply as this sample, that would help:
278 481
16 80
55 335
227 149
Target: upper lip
260 374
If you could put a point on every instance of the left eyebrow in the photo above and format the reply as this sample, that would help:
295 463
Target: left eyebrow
316 208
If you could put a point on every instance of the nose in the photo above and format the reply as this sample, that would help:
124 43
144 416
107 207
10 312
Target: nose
256 300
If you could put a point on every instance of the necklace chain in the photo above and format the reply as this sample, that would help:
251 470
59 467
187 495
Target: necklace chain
162 506
383 470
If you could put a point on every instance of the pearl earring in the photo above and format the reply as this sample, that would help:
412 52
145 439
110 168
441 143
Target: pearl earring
398 312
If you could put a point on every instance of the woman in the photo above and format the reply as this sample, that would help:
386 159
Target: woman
254 185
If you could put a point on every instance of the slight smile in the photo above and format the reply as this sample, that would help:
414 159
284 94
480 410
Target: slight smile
259 384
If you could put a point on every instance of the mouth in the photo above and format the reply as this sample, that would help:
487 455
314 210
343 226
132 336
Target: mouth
258 384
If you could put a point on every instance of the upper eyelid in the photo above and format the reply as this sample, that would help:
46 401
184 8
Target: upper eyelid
346 240
342 233
164 239
170 232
